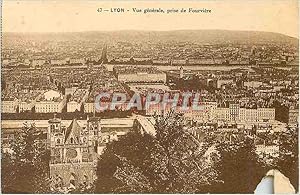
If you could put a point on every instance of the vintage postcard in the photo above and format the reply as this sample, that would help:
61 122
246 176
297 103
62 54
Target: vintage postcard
149 96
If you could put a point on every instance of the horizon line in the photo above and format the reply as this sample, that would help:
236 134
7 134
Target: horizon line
120 30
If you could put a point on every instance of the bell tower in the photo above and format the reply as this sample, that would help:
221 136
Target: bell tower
55 132
94 129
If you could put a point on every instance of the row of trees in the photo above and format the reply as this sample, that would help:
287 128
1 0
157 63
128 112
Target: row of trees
173 161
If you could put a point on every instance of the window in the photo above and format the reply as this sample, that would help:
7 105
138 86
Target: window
72 140
58 141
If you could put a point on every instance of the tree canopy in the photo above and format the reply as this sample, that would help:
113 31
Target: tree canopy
239 168
26 169
173 161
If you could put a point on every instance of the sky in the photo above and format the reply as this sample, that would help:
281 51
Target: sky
279 16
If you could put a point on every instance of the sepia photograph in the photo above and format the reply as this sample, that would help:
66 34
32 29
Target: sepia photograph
149 97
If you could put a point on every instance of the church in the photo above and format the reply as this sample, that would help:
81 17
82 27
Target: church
74 151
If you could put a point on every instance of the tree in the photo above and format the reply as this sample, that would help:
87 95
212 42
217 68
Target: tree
288 162
121 154
185 161
6 176
26 169
239 168
173 161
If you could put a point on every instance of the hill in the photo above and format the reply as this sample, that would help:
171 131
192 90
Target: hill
196 36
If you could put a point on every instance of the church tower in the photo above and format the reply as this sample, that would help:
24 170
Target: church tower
73 152
56 132
94 129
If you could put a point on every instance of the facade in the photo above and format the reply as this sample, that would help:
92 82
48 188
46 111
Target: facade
250 115
26 105
89 107
234 110
293 116
266 113
223 114
50 106
9 106
238 114
73 106
73 152
50 102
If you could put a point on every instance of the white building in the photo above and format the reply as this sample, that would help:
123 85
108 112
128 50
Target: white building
89 107
26 105
266 113
237 114
51 101
223 114
9 106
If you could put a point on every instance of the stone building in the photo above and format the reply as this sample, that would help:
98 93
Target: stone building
73 152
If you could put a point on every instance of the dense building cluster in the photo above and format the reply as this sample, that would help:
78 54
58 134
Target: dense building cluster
168 48
246 90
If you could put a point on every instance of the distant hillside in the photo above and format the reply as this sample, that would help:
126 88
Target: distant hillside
198 36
